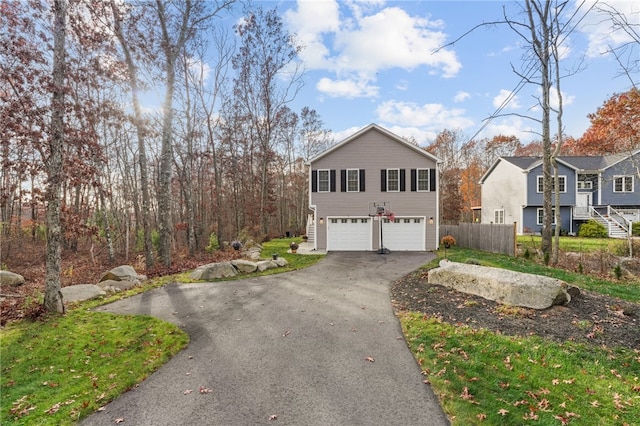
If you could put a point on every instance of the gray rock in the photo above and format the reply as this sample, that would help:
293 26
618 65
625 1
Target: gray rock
214 270
114 286
123 273
11 279
80 292
501 285
244 266
267 264
281 261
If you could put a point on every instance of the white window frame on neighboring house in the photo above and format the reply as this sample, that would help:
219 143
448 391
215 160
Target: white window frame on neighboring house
540 216
623 181
563 184
395 181
324 181
422 180
498 216
585 184
353 180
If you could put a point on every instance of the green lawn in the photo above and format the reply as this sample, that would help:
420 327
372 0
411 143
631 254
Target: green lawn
572 244
482 377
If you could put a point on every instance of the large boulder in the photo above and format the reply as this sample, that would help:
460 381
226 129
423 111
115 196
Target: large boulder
80 292
123 273
267 264
501 285
244 266
115 286
214 270
11 279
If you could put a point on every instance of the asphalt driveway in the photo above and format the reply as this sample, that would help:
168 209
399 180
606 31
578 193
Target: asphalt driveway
288 349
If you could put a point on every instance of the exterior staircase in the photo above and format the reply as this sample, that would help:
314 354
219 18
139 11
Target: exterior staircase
311 229
616 228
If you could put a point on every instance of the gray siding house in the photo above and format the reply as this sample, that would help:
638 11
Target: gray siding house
603 188
373 191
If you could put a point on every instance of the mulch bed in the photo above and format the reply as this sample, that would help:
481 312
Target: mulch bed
589 318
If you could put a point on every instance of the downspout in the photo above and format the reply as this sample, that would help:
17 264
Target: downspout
437 205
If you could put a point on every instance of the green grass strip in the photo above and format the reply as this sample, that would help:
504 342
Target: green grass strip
484 378
61 370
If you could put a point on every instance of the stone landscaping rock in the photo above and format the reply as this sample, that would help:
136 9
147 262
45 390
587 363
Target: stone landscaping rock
114 286
507 287
281 261
214 270
267 264
244 266
79 292
123 273
11 279
630 267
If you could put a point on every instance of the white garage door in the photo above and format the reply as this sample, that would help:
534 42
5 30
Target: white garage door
349 234
404 234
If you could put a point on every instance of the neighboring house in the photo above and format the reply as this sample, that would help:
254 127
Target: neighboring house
604 188
373 171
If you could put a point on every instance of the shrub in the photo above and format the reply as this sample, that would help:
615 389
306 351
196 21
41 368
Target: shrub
214 244
448 240
635 229
592 229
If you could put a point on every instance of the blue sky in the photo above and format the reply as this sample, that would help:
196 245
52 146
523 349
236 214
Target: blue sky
374 61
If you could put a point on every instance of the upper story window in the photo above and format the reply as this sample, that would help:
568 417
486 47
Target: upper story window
585 184
623 184
393 180
324 181
353 180
562 180
422 176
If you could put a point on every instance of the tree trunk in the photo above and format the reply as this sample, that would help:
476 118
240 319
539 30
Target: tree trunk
53 296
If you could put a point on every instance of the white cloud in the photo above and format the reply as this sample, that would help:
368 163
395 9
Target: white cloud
347 88
597 26
509 126
429 116
366 39
461 96
506 98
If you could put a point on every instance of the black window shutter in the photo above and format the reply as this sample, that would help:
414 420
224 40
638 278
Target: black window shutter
414 180
361 180
343 181
314 181
403 176
432 179
383 180
332 180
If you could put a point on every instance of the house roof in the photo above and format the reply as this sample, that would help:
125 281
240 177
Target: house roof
593 163
375 127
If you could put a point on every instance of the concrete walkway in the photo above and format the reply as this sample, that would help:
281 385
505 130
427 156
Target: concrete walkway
288 349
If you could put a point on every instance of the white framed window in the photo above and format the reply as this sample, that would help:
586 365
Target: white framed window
541 216
364 220
407 220
498 216
393 180
585 184
561 179
353 180
422 177
416 221
344 220
623 184
324 178
354 220
334 220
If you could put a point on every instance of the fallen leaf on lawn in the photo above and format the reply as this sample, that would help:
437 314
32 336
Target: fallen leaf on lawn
187 392
101 409
569 382
205 390
53 409
370 359
595 403
120 420
503 412
615 373
481 416
555 382
466 395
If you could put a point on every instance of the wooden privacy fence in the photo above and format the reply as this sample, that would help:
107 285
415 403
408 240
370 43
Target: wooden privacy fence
483 236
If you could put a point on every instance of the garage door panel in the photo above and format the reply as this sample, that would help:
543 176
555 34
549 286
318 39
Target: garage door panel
404 234
349 234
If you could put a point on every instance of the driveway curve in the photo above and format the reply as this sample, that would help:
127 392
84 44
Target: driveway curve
319 346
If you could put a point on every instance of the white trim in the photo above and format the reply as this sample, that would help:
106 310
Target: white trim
560 177
428 180
538 217
624 178
357 180
495 218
